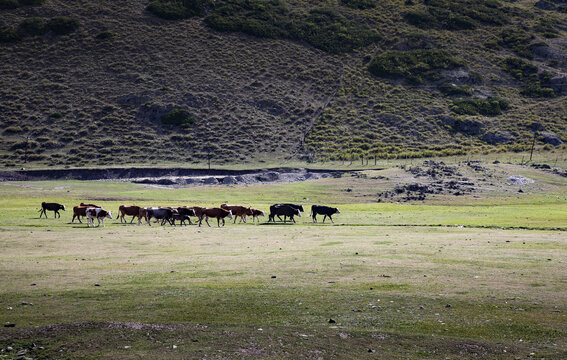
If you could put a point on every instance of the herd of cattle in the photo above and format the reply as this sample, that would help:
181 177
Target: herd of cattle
184 213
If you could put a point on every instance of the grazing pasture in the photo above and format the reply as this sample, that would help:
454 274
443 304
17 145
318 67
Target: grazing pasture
482 276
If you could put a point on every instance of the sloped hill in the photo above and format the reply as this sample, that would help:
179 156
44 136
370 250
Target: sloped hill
262 80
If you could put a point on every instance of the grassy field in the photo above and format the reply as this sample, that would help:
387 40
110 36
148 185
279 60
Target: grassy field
480 276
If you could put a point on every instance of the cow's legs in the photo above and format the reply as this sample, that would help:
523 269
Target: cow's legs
324 217
330 218
314 218
292 219
132 219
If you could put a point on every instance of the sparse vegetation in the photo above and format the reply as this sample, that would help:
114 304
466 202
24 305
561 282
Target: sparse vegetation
451 89
104 35
517 40
8 34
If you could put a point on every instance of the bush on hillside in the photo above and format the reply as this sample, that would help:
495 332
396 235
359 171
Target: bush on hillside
487 107
9 4
62 25
177 9
8 34
546 27
323 28
359 4
533 84
517 40
458 14
451 89
33 26
178 117
328 30
104 35
269 19
417 66
31 2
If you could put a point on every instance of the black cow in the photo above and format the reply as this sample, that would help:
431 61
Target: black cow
283 210
51 207
323 210
163 214
185 211
295 206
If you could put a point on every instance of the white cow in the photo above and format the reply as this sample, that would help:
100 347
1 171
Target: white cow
97 213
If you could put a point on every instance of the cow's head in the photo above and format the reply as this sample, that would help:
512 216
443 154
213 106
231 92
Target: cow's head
63 207
297 212
108 215
249 211
337 211
300 207
229 214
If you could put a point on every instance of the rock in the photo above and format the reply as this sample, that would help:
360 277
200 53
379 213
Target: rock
497 137
331 321
559 84
210 181
9 324
520 191
165 182
545 5
519 180
229 180
448 305
551 138
274 276
96 284
421 307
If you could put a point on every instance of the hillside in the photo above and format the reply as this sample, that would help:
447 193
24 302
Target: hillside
106 82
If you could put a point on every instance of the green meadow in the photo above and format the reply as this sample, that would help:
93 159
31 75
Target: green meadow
479 276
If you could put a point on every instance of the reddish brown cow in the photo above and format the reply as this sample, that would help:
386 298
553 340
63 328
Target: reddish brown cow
133 211
142 214
217 213
79 211
256 213
238 211
90 205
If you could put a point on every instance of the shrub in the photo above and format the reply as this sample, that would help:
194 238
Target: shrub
414 65
323 28
9 4
62 25
359 4
104 35
450 89
327 30
518 41
13 130
488 107
177 9
178 117
458 14
33 26
527 74
56 115
9 35
421 19
31 2
546 27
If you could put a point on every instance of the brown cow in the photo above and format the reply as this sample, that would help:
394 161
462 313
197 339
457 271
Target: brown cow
238 211
142 214
90 205
217 213
133 211
79 211
256 213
